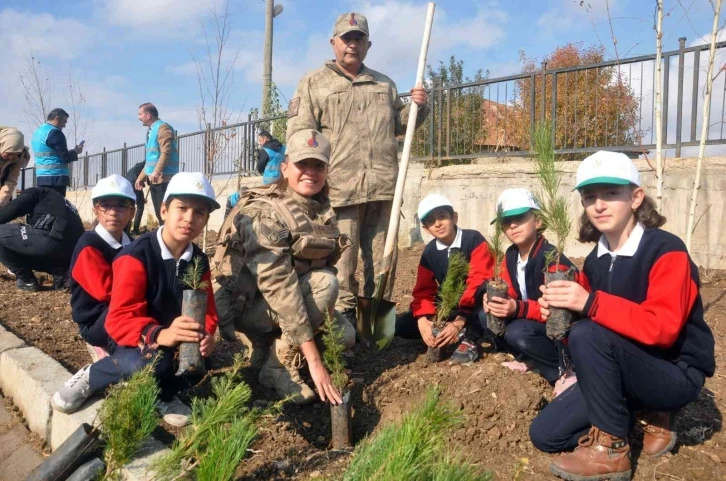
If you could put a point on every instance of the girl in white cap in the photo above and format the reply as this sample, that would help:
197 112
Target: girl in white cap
642 348
523 270
91 275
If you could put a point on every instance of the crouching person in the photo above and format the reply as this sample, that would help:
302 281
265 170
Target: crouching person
91 273
144 319
275 275
642 348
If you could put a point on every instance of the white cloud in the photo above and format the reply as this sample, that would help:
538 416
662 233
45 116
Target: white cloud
156 18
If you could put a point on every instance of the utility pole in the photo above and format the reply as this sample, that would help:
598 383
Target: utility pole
271 11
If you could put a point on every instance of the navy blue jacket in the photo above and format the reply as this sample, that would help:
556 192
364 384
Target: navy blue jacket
653 299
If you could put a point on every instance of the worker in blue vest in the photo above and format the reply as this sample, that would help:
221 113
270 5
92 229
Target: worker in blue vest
162 156
51 153
269 157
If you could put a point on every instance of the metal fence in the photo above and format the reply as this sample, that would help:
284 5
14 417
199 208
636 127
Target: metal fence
605 105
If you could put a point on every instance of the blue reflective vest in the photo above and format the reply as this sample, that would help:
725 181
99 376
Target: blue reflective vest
47 160
153 152
272 169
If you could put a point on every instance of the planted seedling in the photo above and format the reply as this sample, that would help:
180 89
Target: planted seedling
452 288
335 363
194 305
497 287
553 209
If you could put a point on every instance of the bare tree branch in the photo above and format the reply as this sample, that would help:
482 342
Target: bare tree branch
36 84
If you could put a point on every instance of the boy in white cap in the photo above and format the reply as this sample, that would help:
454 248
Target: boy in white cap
641 346
523 270
144 319
439 219
91 275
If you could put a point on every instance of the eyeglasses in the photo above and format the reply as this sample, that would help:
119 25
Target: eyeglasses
106 208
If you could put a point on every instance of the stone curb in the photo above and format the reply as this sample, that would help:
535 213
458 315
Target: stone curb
30 377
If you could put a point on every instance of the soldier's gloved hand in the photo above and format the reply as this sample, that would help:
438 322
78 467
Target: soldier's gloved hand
183 329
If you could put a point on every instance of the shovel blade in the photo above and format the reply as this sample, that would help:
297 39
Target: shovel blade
377 320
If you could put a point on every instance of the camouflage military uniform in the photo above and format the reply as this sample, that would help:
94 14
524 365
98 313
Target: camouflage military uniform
361 118
275 272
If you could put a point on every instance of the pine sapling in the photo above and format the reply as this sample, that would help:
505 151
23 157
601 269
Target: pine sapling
554 212
335 363
497 287
127 417
194 305
222 428
450 293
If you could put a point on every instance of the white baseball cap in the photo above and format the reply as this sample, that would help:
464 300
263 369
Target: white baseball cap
191 183
113 186
514 202
431 202
606 167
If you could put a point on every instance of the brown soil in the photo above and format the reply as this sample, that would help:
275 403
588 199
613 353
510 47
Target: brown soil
497 405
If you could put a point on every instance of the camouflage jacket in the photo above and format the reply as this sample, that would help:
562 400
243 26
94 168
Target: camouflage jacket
269 239
361 118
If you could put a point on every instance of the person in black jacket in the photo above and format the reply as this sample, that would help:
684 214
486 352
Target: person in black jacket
45 243
523 269
132 175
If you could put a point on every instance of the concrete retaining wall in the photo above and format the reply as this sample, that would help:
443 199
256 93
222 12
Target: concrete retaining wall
473 189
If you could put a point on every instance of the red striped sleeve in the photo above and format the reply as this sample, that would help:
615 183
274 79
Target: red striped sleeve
128 313
93 274
658 320
210 317
424 293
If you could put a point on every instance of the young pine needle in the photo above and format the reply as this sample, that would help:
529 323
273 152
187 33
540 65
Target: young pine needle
553 207
192 276
496 242
210 417
415 449
127 417
226 447
333 354
452 288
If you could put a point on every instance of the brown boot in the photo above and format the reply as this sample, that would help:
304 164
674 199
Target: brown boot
659 434
599 457
256 349
280 372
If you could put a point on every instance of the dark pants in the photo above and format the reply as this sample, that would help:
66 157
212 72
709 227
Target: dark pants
157 197
529 342
139 209
123 362
95 334
61 189
407 325
615 378
24 249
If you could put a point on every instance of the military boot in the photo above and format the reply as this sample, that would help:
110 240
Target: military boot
256 349
598 457
281 373
659 433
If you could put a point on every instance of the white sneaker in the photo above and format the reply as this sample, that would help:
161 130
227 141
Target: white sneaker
174 412
73 393
566 380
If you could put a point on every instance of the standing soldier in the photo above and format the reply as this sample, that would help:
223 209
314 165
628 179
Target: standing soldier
358 109
162 156
51 153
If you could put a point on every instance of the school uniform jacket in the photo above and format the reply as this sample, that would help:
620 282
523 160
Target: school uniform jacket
652 298
91 274
147 294
432 271
534 277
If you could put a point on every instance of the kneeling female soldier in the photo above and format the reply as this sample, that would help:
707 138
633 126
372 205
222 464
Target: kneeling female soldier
274 272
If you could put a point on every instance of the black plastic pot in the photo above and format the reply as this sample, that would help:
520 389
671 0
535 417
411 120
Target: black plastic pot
497 325
341 424
435 354
89 471
69 456
559 320
194 305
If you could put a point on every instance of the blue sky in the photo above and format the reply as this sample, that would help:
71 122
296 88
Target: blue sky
125 52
